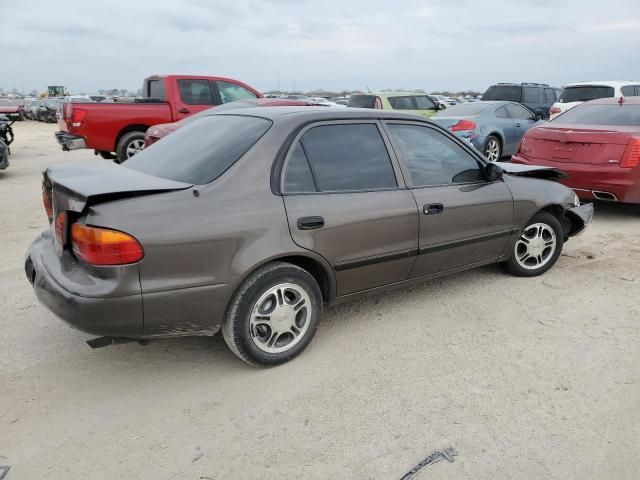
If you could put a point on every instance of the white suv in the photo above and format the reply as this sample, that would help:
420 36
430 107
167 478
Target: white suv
576 93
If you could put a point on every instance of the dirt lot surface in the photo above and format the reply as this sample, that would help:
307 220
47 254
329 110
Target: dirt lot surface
525 378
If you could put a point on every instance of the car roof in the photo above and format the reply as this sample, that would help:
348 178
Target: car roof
392 94
606 83
311 113
615 100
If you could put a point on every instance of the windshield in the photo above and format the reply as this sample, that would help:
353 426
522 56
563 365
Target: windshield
463 110
201 151
362 101
585 93
511 93
625 115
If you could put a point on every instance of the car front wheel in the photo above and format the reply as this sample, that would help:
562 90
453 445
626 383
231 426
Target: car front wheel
537 248
274 315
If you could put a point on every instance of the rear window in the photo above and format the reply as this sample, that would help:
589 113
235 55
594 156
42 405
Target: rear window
585 93
201 151
625 115
362 101
511 93
463 110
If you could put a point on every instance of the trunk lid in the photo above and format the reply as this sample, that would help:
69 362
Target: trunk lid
74 187
586 144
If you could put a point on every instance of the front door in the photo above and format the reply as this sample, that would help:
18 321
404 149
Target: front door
343 200
464 219
194 95
523 120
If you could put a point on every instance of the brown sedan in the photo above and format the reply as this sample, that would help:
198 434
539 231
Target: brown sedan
250 221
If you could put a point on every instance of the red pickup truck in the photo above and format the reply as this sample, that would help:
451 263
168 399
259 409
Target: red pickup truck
116 130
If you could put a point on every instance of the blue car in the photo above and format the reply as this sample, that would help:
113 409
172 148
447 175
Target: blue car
493 127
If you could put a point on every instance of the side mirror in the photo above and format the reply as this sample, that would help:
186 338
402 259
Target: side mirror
493 172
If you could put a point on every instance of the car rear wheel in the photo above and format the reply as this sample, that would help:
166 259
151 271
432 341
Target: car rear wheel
492 148
130 144
274 315
537 248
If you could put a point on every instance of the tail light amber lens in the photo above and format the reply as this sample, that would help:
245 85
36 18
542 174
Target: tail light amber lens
47 204
103 246
554 110
77 116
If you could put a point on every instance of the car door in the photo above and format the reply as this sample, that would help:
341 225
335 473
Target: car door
507 127
523 120
193 96
345 200
464 219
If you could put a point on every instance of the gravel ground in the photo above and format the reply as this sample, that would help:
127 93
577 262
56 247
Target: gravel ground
525 378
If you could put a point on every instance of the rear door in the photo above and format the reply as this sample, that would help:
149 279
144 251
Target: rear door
192 96
506 123
464 219
345 200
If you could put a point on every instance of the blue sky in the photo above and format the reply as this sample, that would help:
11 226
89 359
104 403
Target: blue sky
430 44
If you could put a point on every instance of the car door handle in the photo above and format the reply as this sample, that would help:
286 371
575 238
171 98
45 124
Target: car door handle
184 110
310 223
433 209
518 124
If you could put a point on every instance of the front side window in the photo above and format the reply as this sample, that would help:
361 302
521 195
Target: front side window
231 92
432 158
195 92
348 157
423 102
518 112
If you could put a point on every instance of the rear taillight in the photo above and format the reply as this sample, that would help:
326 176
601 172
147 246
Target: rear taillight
103 246
523 147
46 200
463 125
554 110
631 157
77 117
61 227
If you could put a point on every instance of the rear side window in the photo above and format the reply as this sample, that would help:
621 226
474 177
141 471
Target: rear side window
550 95
402 103
155 89
362 101
298 178
511 93
201 150
195 92
625 115
432 158
231 92
502 113
532 95
348 157
585 93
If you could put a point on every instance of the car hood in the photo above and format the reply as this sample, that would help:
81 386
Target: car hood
532 171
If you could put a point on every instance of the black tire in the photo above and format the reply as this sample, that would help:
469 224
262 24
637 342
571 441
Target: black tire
106 155
126 143
236 327
515 267
492 143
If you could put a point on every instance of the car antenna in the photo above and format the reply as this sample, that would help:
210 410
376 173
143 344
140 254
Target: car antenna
368 89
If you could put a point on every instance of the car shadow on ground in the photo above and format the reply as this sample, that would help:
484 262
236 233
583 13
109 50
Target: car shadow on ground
613 210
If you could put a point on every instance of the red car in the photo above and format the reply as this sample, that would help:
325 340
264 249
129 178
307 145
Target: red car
597 144
119 127
160 131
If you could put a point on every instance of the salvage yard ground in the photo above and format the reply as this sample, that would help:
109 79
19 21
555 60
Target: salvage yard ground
524 378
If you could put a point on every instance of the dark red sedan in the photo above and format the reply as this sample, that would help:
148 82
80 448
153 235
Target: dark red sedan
596 143
157 132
